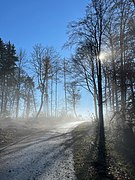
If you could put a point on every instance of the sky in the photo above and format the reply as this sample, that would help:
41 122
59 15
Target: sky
28 22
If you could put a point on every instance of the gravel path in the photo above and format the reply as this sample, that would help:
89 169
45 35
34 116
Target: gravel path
43 156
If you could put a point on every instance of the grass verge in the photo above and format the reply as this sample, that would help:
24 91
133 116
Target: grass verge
85 150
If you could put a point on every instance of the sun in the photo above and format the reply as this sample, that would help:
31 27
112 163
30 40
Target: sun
102 56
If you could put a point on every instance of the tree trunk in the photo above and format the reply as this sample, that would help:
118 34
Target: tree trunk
95 104
65 87
28 106
56 94
51 97
101 145
74 107
122 75
47 98
34 102
2 95
41 105
17 104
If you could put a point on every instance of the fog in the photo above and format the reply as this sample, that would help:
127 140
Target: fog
41 123
13 130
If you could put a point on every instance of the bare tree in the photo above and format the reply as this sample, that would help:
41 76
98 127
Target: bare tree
91 29
37 63
43 60
85 71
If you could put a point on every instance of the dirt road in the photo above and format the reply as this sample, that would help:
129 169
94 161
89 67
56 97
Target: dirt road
45 155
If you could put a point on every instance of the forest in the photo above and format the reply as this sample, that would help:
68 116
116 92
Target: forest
103 64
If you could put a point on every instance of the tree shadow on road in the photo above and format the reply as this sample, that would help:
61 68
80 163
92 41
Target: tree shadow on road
90 162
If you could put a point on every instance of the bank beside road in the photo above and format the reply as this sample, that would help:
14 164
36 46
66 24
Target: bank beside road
119 165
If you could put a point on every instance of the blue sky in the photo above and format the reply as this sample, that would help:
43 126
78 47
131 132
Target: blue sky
27 22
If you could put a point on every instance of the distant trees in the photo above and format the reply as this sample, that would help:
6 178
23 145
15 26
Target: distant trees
44 61
14 86
28 96
8 61
20 73
20 92
85 71
74 95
